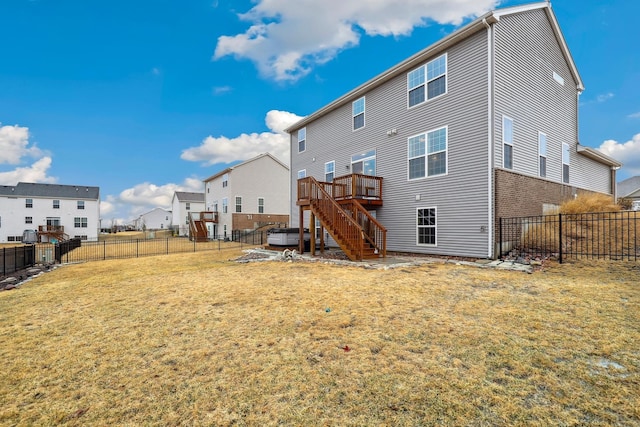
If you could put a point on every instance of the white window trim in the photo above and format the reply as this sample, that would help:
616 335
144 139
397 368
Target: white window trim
546 144
429 245
567 148
235 204
304 129
507 143
334 170
374 156
364 114
302 173
225 205
426 155
258 204
426 81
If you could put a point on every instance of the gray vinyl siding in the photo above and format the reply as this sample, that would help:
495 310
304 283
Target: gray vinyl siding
461 196
526 56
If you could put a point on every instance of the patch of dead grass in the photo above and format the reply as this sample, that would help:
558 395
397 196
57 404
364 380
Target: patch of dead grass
195 339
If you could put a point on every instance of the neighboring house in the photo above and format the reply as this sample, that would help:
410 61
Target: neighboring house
182 205
57 212
630 189
480 125
249 195
156 219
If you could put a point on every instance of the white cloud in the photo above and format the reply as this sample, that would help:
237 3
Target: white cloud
14 145
628 153
634 115
142 198
221 90
604 97
37 172
221 149
286 39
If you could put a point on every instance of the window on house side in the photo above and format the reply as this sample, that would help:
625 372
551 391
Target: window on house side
80 204
260 204
428 81
79 222
566 159
428 154
238 204
56 204
302 173
28 203
225 180
225 204
358 107
507 142
364 163
188 206
329 171
542 154
28 220
426 226
302 140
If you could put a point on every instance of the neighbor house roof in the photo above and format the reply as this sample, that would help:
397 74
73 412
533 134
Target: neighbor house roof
629 186
246 162
28 189
185 196
473 27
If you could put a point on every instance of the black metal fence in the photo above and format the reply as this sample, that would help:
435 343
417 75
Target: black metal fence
135 248
17 258
599 235
255 237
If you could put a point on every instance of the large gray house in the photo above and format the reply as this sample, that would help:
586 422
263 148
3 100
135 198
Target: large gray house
425 157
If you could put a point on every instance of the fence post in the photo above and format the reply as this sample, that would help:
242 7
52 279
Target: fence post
500 236
560 238
104 250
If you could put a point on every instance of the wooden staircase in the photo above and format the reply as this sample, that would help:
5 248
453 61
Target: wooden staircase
359 235
198 225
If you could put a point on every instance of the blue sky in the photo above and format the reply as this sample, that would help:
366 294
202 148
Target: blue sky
143 98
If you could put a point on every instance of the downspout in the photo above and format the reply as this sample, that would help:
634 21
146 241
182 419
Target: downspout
490 195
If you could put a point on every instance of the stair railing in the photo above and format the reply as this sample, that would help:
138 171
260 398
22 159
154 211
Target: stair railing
374 232
342 227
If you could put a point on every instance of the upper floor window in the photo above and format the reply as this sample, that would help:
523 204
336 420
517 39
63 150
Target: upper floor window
302 173
28 203
566 160
260 204
302 140
238 204
542 154
56 204
358 113
28 220
507 142
329 171
80 222
188 206
364 163
80 204
225 180
428 81
428 154
225 204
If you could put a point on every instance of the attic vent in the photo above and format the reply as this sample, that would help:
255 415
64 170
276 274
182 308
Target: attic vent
557 77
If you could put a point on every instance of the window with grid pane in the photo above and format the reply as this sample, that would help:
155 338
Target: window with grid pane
426 226
427 154
358 113
428 81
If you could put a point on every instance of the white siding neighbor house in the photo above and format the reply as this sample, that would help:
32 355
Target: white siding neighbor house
427 156
182 204
156 219
248 196
630 189
56 212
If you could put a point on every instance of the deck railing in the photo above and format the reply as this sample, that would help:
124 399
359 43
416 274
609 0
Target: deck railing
374 232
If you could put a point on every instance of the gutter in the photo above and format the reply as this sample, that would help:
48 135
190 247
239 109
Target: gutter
490 114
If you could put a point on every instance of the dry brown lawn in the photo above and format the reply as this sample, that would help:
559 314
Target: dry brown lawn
196 339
